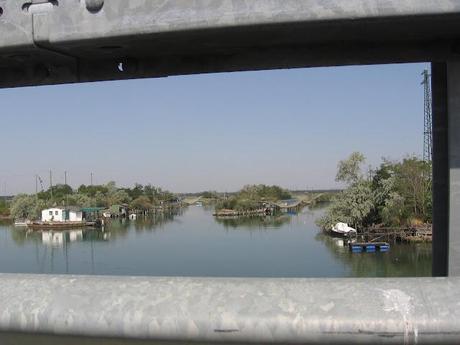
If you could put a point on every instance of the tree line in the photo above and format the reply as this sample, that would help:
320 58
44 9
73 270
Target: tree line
138 198
397 193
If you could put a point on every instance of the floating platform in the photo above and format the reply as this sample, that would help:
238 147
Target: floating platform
368 247
399 234
234 213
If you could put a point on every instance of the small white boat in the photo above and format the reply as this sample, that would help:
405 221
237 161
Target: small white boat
21 223
343 229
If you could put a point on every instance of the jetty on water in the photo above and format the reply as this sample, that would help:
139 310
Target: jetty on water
243 213
399 234
379 238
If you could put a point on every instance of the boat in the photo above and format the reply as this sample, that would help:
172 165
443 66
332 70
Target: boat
21 223
59 225
343 229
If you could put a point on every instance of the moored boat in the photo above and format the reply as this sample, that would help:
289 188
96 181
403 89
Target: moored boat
41 225
343 229
56 225
21 222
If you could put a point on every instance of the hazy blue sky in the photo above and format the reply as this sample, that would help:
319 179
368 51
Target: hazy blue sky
216 131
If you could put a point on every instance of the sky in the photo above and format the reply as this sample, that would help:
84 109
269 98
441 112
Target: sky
211 131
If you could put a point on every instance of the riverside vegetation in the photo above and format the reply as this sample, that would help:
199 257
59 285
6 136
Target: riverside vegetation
4 209
250 197
396 194
142 198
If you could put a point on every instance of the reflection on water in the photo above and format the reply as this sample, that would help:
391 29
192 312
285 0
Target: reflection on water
191 242
402 260
246 223
58 238
116 228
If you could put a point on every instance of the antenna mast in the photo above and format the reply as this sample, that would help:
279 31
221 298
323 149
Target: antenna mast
428 132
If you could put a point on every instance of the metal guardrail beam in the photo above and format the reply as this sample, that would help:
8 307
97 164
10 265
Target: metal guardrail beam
243 311
453 135
440 184
71 41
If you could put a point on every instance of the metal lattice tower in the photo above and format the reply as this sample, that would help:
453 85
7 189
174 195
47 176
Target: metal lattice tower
428 136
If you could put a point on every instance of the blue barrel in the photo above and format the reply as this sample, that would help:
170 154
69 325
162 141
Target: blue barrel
356 249
384 248
370 248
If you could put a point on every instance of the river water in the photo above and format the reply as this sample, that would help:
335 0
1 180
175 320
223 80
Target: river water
194 243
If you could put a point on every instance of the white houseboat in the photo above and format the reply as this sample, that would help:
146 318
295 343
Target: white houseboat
59 218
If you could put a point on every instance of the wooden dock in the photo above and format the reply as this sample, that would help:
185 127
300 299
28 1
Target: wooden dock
236 213
401 234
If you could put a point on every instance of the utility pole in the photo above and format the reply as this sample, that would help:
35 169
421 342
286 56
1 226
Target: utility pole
36 186
91 179
51 183
66 196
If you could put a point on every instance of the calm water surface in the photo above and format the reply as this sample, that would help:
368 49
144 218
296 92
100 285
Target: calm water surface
193 243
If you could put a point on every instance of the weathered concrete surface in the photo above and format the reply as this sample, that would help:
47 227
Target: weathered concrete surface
66 42
308 311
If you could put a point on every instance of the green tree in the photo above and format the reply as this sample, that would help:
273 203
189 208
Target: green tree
398 193
152 192
349 170
4 208
251 197
118 197
92 190
81 200
60 191
352 206
101 199
413 183
136 191
141 203
392 212
27 206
